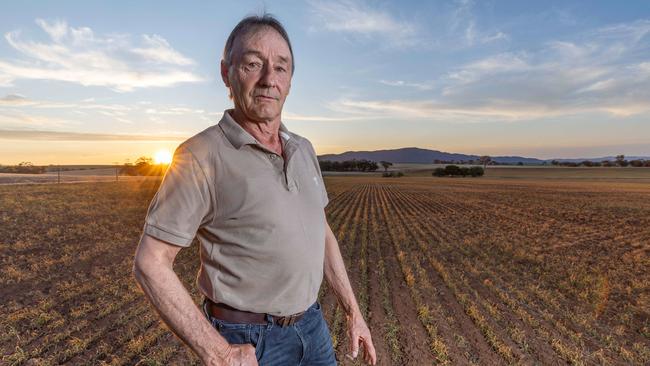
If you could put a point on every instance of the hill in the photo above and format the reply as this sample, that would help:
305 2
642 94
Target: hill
421 156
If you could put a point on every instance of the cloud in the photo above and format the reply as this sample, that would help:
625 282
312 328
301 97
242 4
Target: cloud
436 110
361 20
79 56
18 111
158 50
402 83
16 119
18 100
39 135
606 71
462 27
288 116
14 100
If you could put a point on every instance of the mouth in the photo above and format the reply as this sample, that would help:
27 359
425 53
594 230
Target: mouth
265 97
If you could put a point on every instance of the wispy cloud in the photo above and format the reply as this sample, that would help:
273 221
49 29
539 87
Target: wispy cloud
18 111
463 25
78 55
402 83
602 71
40 135
289 116
360 19
15 100
19 100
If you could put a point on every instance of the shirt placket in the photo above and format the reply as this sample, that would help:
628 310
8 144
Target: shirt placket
284 166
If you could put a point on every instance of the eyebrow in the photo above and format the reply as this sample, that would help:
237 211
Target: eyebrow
259 54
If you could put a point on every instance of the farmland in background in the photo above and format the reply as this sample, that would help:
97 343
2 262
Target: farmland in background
491 270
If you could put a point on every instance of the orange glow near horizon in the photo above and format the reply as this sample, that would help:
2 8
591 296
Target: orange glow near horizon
163 157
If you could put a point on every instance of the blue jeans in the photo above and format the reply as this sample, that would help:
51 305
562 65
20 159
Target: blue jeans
306 342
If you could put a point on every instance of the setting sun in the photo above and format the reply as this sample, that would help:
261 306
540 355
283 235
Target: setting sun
163 157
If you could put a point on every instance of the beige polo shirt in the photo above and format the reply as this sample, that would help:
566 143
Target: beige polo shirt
259 218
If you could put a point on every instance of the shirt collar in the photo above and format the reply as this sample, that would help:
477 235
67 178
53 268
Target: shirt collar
239 137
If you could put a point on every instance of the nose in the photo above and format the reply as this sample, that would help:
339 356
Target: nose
268 77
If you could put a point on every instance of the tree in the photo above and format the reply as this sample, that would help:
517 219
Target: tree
637 163
476 171
620 160
439 172
587 163
485 160
143 166
144 161
386 165
455 170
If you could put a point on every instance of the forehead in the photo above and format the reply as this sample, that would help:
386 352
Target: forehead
264 40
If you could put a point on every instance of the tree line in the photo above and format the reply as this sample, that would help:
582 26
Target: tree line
353 165
24 167
457 171
143 166
620 162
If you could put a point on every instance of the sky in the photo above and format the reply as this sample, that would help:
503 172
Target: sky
103 82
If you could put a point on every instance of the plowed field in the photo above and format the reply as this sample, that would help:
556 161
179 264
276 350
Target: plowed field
449 271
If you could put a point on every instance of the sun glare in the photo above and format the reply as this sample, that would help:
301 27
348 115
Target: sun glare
163 157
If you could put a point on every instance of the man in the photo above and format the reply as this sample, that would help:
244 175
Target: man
253 195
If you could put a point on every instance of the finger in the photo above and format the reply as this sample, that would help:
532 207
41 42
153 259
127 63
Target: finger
370 348
366 355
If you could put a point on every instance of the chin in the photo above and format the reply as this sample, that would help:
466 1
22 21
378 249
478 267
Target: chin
266 114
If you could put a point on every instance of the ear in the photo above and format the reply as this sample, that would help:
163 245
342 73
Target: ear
224 73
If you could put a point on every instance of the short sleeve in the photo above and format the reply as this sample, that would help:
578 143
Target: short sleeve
183 201
314 158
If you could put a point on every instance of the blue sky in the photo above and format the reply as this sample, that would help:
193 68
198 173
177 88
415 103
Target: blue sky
102 82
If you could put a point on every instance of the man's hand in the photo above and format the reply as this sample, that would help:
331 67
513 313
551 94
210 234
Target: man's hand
337 277
358 332
241 355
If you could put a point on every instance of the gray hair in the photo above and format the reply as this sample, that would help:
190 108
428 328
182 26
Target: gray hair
252 23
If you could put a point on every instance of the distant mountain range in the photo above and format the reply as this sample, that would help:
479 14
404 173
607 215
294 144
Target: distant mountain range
425 156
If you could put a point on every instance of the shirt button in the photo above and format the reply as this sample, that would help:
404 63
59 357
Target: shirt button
272 156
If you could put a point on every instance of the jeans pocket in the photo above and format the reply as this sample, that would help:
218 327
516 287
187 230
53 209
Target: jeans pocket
257 339
314 308
233 333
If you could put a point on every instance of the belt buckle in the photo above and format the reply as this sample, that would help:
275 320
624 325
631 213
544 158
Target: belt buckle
288 320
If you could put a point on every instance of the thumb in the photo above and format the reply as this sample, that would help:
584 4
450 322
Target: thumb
354 346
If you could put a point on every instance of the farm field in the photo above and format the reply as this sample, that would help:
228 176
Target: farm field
488 271
536 172
69 176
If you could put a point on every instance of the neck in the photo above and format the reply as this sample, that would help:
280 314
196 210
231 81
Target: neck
264 131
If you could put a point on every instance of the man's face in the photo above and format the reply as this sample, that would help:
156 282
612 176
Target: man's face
259 76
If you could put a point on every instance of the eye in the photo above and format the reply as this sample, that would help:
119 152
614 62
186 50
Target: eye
280 69
252 66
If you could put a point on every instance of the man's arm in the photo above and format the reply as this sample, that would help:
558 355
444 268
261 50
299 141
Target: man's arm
154 272
337 278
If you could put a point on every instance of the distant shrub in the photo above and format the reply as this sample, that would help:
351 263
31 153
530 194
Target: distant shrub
144 166
637 163
476 171
392 174
456 171
353 165
453 170
24 167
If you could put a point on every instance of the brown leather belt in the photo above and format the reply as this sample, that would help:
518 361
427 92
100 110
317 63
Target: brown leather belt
228 313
